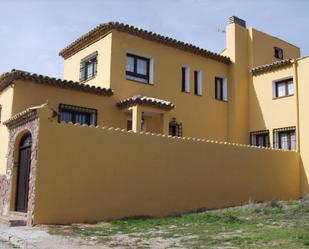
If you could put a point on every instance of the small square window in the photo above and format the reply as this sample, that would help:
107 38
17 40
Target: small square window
278 53
285 138
138 68
284 88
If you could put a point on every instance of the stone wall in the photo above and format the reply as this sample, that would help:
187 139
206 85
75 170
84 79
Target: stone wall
15 134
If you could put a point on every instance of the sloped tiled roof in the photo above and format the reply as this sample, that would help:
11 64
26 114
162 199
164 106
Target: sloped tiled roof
144 100
103 29
9 78
269 67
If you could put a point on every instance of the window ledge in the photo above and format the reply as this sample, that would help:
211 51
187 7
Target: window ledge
91 78
282 97
141 82
222 100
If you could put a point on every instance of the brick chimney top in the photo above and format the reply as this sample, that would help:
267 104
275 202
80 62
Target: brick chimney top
235 19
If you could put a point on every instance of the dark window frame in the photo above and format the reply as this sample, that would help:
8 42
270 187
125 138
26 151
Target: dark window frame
262 133
183 79
278 133
175 128
286 82
86 62
277 52
220 97
90 113
196 82
135 73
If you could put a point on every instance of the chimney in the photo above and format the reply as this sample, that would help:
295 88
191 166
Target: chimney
235 19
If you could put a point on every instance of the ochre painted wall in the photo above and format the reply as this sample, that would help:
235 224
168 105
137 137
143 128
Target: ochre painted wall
6 103
201 116
266 112
123 174
302 66
262 48
29 94
103 47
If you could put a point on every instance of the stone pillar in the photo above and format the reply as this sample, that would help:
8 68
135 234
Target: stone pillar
136 118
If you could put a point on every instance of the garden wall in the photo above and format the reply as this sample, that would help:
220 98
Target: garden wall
88 174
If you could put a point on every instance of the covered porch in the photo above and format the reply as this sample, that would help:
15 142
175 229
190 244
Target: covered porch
147 114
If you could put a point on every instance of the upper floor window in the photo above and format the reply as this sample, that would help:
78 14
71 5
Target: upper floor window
220 88
137 68
197 82
77 114
185 79
88 67
260 138
278 52
283 88
285 138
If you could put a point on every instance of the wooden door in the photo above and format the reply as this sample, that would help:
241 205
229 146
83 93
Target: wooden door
23 173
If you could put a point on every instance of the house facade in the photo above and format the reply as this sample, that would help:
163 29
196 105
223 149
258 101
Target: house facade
116 75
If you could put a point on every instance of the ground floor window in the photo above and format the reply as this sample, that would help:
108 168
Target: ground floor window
285 138
175 128
77 114
260 138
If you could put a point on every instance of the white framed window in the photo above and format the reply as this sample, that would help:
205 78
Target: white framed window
185 79
197 82
221 89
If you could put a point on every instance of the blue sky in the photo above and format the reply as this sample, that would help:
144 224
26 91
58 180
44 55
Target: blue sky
32 32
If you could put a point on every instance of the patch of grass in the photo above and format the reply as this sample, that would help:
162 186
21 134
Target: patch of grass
256 225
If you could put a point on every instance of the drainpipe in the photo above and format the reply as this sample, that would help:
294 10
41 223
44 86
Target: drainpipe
297 102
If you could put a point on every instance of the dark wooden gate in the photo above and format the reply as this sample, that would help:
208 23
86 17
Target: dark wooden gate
23 173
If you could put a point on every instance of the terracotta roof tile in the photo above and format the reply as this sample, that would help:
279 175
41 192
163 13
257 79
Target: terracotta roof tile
269 67
10 77
103 29
144 100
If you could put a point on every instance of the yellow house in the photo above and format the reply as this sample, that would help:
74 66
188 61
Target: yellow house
252 98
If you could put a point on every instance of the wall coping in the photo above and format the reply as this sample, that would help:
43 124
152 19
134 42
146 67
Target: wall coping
193 139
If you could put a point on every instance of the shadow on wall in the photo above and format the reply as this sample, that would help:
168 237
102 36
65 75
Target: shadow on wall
256 118
304 187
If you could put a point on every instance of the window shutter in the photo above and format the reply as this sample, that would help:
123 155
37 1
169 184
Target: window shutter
225 96
82 73
187 85
253 139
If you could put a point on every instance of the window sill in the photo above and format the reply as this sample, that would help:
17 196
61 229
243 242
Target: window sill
222 100
282 97
141 82
185 92
198 95
91 78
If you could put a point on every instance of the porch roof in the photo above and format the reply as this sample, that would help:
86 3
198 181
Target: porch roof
147 101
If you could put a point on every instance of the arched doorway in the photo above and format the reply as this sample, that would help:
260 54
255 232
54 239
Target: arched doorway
23 173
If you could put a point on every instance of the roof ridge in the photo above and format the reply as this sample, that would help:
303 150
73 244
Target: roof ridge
101 30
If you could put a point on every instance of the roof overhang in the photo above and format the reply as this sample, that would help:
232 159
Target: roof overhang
271 67
145 101
9 78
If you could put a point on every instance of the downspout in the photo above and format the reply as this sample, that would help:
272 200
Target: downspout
297 102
